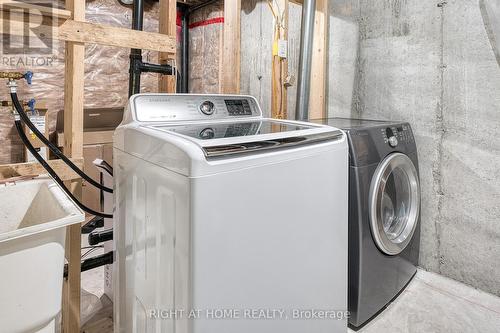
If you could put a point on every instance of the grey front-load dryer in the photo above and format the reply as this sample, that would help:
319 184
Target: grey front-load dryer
384 213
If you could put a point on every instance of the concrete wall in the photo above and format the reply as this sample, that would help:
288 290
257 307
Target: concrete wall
434 66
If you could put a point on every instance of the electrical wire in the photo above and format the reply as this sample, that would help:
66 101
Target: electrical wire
52 173
279 28
92 249
91 246
25 119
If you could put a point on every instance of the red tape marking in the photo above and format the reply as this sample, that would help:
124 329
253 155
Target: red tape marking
215 20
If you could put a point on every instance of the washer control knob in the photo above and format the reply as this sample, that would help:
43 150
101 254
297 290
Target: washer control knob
207 108
207 134
393 141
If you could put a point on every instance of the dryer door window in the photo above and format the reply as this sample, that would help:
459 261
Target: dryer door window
394 203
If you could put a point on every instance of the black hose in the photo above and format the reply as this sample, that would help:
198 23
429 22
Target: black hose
94 262
96 237
53 174
26 120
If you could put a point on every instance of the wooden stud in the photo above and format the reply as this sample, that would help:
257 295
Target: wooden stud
73 147
168 26
84 32
280 67
112 36
35 169
317 103
231 53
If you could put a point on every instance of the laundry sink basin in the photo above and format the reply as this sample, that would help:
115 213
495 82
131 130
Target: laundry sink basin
34 215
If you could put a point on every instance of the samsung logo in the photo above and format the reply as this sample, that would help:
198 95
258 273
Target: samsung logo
156 100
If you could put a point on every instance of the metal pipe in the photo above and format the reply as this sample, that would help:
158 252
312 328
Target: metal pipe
305 60
186 13
185 51
146 67
134 86
138 15
136 64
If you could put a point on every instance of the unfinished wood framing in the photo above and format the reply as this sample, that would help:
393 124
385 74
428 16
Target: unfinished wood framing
69 25
279 65
111 36
319 70
168 19
231 50
73 147
72 30
8 171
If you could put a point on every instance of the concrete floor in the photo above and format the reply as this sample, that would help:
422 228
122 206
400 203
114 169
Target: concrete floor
431 303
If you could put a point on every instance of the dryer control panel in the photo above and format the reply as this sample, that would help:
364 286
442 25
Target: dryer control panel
395 135
188 107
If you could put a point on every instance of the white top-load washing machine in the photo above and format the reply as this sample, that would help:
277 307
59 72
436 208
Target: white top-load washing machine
227 222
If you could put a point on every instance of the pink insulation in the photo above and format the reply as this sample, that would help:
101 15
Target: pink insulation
206 33
106 71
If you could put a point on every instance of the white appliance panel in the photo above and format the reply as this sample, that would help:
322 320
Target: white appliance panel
197 228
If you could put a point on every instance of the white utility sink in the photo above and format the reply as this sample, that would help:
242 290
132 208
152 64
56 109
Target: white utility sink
34 215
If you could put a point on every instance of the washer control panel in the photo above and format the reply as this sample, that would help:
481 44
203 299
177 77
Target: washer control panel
395 135
187 107
207 107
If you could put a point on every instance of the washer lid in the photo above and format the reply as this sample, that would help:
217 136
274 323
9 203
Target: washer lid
224 138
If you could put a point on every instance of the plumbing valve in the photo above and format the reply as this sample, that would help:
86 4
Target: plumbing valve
13 76
28 76
31 104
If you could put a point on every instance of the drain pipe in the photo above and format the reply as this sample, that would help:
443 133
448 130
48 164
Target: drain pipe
134 84
185 50
186 13
305 60
137 66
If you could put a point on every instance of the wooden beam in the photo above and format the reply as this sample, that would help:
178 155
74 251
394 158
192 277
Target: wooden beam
317 103
279 65
34 169
99 34
231 53
9 5
168 26
84 32
73 146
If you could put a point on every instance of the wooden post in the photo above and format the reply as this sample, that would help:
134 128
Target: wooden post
73 147
317 103
231 52
279 64
168 19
